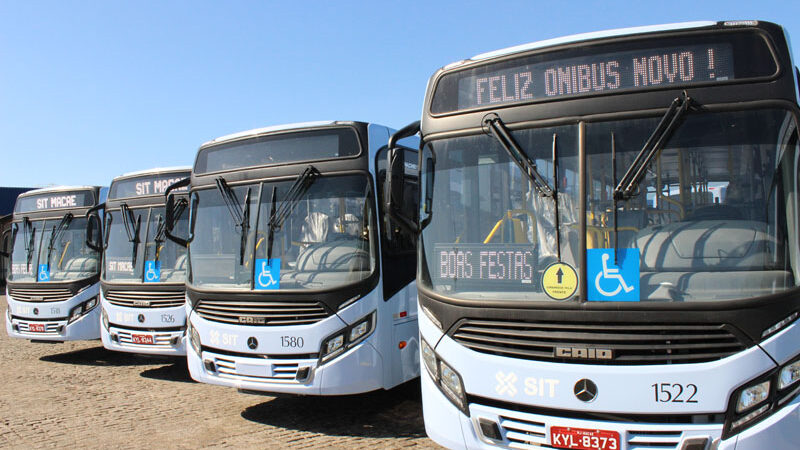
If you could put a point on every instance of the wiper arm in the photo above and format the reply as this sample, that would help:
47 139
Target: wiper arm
161 226
132 227
29 234
528 167
298 189
296 192
668 124
241 217
57 231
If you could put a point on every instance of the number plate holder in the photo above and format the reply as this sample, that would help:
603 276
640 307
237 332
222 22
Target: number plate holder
142 339
583 439
36 327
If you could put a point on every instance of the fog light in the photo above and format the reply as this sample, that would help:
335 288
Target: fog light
752 396
490 429
302 374
114 337
209 365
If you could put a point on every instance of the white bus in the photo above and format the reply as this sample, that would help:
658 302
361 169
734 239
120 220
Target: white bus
297 282
143 272
54 282
608 243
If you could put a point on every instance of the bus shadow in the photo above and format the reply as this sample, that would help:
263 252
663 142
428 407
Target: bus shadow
177 371
100 356
380 414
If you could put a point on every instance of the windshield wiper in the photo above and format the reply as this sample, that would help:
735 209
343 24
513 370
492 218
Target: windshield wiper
529 168
241 217
132 227
57 231
29 234
629 183
668 124
298 189
161 226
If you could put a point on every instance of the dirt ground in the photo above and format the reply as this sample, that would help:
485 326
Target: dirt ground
77 394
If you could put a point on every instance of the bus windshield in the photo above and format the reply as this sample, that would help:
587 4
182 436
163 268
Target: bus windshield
70 258
324 241
125 261
709 220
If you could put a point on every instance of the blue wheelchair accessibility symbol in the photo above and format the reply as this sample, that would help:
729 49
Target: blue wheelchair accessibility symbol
152 271
608 282
267 274
44 272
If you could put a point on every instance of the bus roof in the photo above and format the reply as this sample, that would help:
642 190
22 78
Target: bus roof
590 36
56 189
270 129
155 170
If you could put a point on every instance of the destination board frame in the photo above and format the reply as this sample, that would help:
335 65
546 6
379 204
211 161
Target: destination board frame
444 96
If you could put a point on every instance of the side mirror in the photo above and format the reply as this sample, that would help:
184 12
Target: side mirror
6 242
94 228
174 209
394 187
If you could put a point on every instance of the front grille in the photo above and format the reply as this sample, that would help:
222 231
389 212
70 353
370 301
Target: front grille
629 344
262 313
145 299
50 328
276 372
641 440
40 294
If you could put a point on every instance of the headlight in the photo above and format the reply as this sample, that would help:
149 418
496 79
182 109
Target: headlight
337 343
194 337
76 312
752 396
429 359
789 375
104 318
445 377
332 346
452 385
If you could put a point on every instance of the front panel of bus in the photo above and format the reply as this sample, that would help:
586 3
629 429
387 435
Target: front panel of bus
610 258
143 271
53 284
284 285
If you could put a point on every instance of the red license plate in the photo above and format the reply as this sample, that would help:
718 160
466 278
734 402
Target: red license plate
583 439
142 339
36 327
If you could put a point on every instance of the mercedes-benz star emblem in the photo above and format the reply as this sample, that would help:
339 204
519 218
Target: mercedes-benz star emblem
36 311
585 390
140 318
252 343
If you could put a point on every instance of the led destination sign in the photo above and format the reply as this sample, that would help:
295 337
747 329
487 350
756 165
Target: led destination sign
607 68
482 262
55 200
598 73
146 185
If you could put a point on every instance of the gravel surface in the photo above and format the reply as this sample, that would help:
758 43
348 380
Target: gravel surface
78 394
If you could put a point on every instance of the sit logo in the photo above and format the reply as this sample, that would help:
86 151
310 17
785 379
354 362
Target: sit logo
532 386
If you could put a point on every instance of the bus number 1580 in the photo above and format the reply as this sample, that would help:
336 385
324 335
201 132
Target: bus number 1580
292 341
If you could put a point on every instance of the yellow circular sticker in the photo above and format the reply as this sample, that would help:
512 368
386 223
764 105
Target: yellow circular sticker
560 281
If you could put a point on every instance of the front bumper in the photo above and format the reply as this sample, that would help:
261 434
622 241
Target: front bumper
157 323
86 327
448 426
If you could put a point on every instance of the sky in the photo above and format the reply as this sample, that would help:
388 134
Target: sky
90 90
